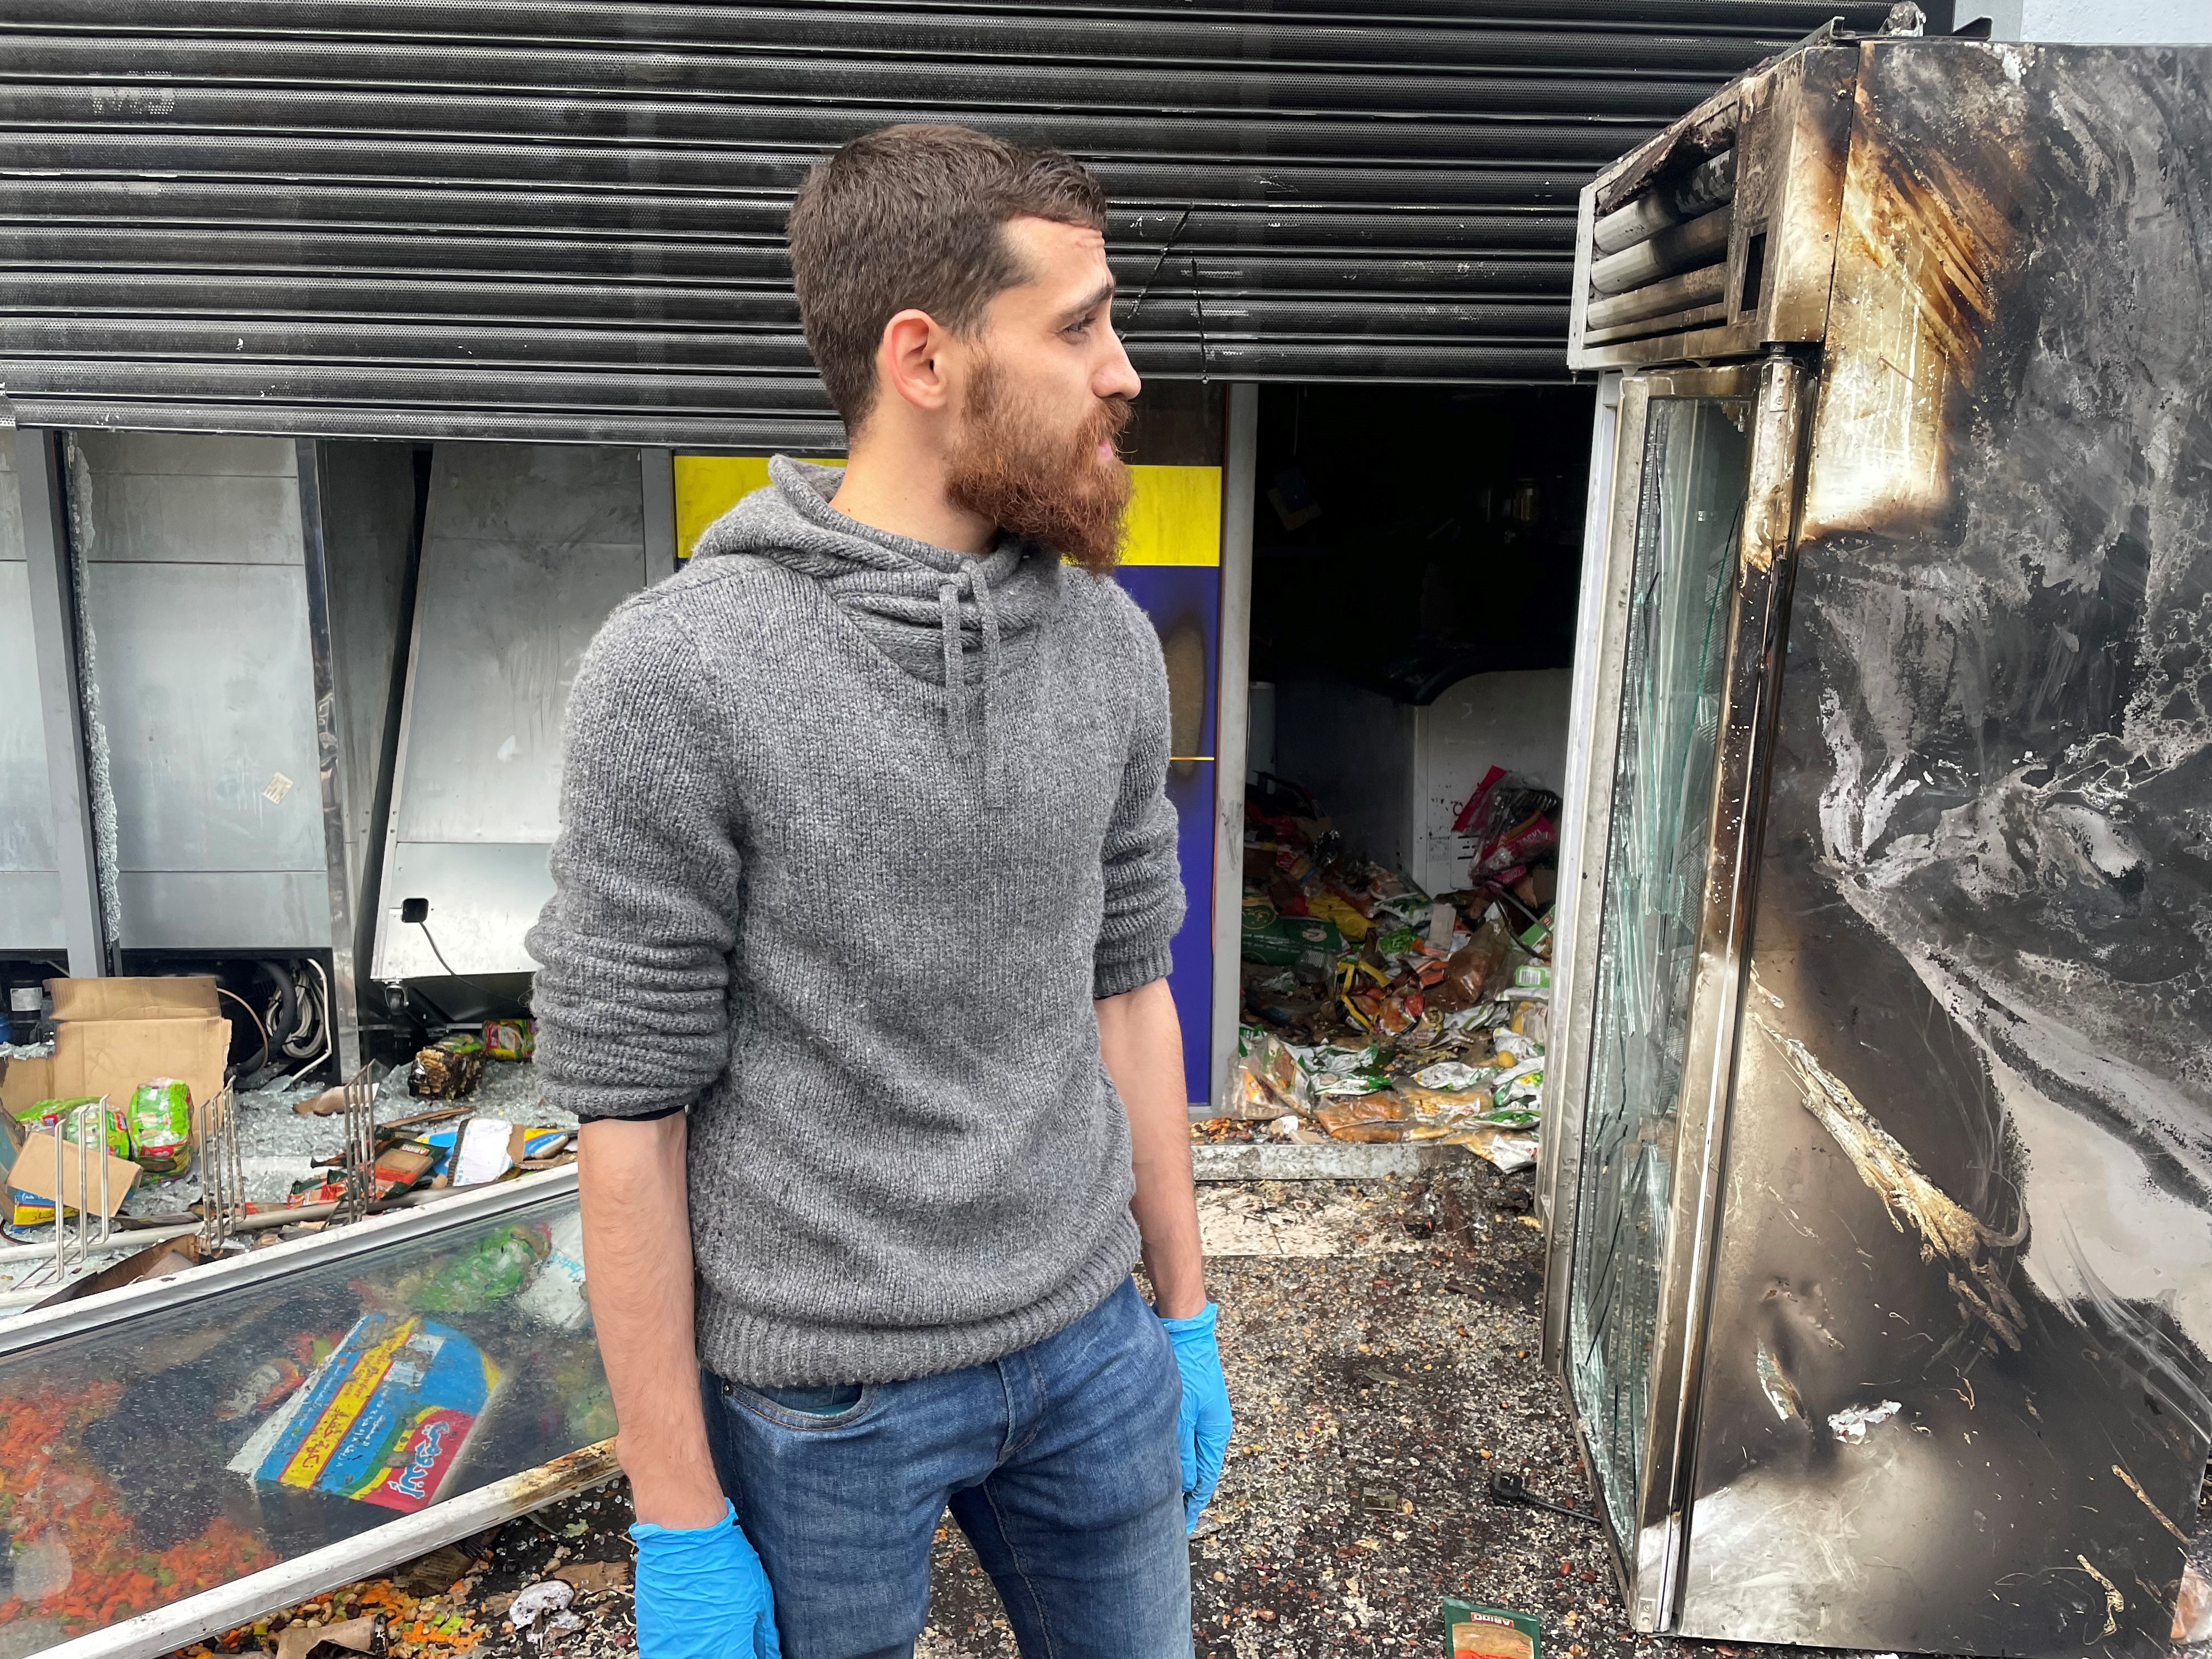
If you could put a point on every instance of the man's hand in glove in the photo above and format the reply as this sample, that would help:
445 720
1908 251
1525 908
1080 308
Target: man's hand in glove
1204 1426
701 1594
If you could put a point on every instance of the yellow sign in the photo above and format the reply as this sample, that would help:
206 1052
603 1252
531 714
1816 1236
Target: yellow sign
1175 511
708 486
1175 516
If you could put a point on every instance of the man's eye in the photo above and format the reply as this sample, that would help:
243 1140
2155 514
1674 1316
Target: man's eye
1082 327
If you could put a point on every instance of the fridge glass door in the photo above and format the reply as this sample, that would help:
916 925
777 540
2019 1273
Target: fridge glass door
1695 470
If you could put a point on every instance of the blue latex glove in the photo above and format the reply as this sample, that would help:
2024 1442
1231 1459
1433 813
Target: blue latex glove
701 1594
1203 1425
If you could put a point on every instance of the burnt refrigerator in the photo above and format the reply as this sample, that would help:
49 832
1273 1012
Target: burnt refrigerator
1878 1170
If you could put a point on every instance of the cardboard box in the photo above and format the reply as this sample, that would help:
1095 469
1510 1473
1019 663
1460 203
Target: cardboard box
175 1255
37 1165
111 1035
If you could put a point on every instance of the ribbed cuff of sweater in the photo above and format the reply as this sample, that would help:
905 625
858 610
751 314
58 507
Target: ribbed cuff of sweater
1112 975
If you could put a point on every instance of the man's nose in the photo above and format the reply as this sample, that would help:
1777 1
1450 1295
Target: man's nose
1117 377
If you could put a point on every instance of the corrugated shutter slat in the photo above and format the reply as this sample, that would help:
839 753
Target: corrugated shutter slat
495 218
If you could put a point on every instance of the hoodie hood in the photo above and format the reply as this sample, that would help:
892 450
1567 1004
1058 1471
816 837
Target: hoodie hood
951 619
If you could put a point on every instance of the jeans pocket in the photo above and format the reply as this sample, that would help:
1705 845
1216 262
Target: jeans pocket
804 1407
830 1399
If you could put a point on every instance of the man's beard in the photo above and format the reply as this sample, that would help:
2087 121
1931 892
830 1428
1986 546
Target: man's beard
1007 467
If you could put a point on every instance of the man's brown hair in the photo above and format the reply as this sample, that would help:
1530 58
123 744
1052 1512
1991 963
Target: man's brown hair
909 217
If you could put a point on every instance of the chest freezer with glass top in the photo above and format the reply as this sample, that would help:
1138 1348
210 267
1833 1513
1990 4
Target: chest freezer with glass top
188 1453
1878 1163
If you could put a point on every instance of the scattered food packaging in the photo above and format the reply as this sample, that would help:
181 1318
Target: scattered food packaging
1476 1632
1269 1079
1398 942
1385 996
28 1209
47 1165
1450 1074
489 1271
1478 968
485 1148
1445 1109
1398 1012
448 1069
161 1126
111 1035
510 1039
383 1420
547 1149
1347 916
557 1296
64 1115
402 1168
1281 941
1474 813
1508 858
1506 1148
1378 1116
1346 1085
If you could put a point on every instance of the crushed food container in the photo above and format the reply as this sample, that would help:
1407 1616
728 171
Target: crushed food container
1478 1632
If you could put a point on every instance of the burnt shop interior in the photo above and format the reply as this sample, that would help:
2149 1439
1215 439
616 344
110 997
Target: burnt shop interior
1415 559
322 692
1389 573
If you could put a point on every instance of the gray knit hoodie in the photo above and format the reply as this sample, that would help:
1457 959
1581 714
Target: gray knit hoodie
853 830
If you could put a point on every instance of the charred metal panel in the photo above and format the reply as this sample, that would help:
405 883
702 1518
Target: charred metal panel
1783 131
1954 1397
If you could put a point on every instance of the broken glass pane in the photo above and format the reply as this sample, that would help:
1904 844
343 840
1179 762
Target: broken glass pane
1688 514
152 1458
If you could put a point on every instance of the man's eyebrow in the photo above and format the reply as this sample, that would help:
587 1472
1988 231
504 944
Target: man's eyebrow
1099 295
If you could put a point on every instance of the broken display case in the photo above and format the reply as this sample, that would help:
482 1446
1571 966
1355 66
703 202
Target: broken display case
1878 1168
184 1454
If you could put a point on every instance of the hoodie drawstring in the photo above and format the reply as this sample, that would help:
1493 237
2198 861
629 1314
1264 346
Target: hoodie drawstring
970 577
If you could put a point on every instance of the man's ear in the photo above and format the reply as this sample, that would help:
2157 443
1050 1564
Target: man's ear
909 360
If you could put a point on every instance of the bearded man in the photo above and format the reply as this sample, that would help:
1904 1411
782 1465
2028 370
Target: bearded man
855 972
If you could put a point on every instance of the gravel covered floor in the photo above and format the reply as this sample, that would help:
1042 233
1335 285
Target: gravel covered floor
1379 1340
1375 1390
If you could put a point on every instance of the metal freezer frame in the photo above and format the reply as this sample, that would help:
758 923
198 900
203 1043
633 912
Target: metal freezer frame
94 932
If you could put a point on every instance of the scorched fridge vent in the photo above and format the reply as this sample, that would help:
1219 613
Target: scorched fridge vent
1660 260
1716 239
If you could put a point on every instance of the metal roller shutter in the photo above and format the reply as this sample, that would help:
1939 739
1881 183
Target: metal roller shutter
493 218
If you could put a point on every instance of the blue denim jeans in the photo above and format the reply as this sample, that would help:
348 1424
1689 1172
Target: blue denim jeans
1059 1463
